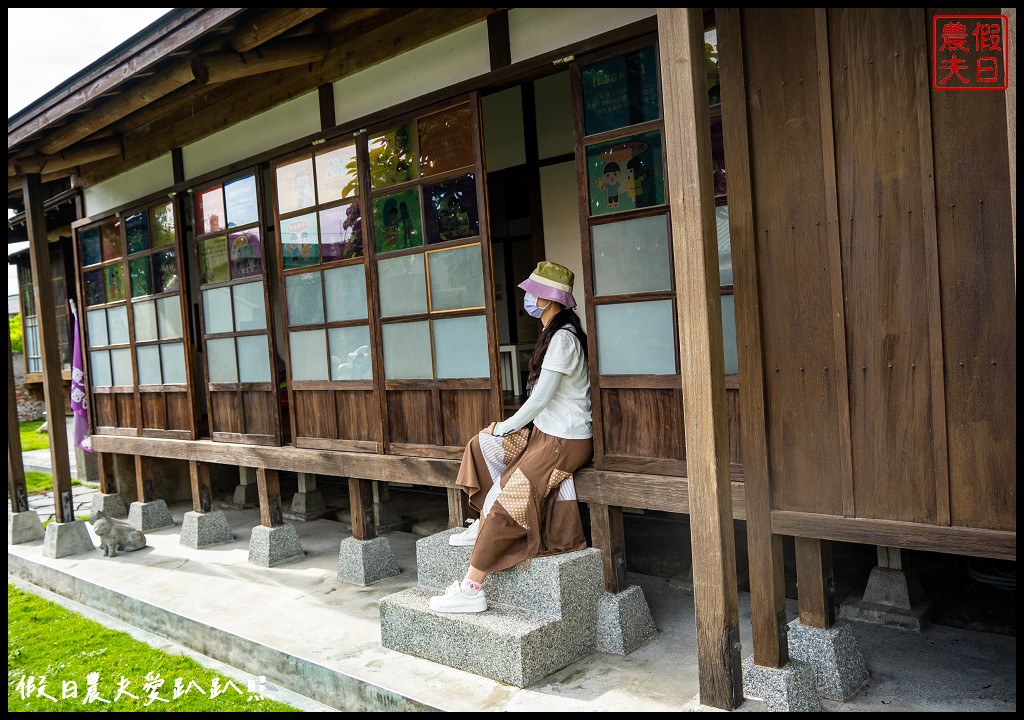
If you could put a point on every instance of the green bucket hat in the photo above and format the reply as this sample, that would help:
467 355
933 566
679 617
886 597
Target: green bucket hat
551 281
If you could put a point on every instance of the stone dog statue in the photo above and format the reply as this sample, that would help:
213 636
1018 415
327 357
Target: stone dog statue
116 535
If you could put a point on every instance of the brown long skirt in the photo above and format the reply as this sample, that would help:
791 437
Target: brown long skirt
535 512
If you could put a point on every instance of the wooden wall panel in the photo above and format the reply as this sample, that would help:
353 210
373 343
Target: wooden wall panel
225 415
979 304
642 422
314 414
358 414
411 416
259 408
787 176
179 411
104 407
465 413
154 411
876 94
732 406
127 416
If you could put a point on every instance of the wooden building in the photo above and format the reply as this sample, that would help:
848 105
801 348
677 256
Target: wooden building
300 232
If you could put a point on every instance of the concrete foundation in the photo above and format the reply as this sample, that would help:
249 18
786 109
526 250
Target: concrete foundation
365 562
146 516
64 539
305 506
111 505
200 530
839 669
23 527
269 547
791 688
892 597
624 621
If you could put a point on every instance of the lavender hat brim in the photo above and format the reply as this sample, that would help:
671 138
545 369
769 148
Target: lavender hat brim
547 292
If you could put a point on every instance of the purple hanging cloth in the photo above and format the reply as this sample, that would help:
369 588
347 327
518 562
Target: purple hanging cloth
79 397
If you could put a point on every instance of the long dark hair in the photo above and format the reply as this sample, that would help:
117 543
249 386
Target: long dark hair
567 317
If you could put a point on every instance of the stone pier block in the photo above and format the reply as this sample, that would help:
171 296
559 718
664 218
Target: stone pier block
69 538
23 527
365 562
269 547
624 621
110 504
834 654
791 688
146 516
201 530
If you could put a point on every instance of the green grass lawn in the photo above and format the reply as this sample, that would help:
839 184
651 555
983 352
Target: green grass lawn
59 661
31 438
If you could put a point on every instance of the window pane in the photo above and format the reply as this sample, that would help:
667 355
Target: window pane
626 174
149 365
336 174
631 256
636 338
94 291
89 243
220 360
121 367
407 350
110 241
213 260
113 280
456 278
299 243
217 311
451 210
161 225
621 91
165 271
732 363
211 211
250 313
140 273
96 323
460 347
145 321
99 365
168 317
350 353
172 358
446 141
256 354
403 286
345 288
724 245
240 202
246 254
136 230
117 325
396 221
295 185
305 300
341 233
309 355
393 157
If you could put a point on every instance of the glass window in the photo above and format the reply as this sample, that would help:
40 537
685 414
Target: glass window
341 232
732 363
220 359
145 321
96 323
256 359
161 225
213 260
460 347
724 245
99 364
95 294
217 316
168 317
407 350
621 91
337 176
396 221
636 338
393 157
403 286
246 254
140 273
450 208
295 186
309 355
350 353
456 278
305 299
250 312
211 211
626 174
121 367
89 244
240 206
136 230
299 241
345 288
631 256
446 141
117 325
148 357
172 359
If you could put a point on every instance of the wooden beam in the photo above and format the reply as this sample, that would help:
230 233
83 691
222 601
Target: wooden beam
283 54
498 41
815 583
53 381
79 155
268 24
1011 120
764 550
607 535
702 361
16 491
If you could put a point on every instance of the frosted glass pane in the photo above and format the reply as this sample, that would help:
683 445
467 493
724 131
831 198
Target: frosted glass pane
632 256
403 286
456 278
250 312
350 353
305 300
149 365
217 311
97 327
117 325
172 357
407 350
732 363
309 355
255 356
168 317
121 367
220 359
460 347
636 338
145 321
345 288
724 245
99 365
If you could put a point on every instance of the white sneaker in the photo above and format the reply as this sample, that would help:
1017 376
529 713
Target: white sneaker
456 601
466 539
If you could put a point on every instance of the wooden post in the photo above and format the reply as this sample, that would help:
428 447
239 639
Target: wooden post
360 501
764 550
53 381
814 582
607 534
458 508
1011 120
15 463
702 361
105 470
268 485
199 478
143 479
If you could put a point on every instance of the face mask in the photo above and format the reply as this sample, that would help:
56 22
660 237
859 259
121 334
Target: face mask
530 306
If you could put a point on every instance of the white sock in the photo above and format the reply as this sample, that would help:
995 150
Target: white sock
469 587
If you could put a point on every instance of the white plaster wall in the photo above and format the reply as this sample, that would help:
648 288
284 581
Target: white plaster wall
562 223
535 31
439 64
132 185
278 126
553 96
504 138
